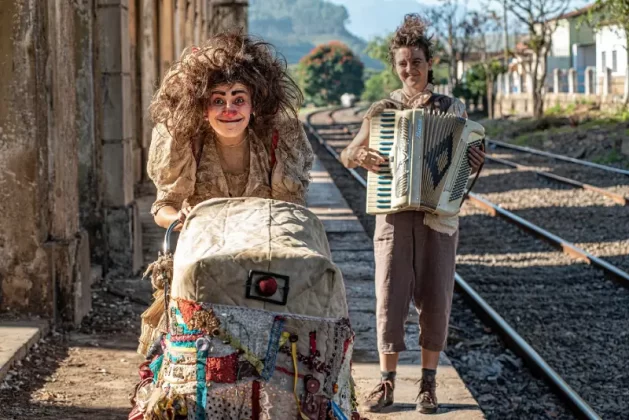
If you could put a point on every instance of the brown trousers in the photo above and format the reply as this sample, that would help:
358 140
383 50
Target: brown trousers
412 262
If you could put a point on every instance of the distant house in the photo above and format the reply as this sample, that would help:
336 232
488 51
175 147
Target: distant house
573 45
494 46
611 53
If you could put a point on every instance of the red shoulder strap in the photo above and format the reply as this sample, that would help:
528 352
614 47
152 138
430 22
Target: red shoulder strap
276 139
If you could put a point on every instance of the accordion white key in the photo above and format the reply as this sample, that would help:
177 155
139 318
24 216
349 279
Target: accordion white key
428 166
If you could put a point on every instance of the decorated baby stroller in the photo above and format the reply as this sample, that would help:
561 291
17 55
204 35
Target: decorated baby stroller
250 322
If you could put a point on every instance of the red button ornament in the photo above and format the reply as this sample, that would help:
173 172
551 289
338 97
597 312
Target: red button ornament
267 286
312 385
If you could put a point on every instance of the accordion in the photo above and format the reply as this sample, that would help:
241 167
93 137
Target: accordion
427 166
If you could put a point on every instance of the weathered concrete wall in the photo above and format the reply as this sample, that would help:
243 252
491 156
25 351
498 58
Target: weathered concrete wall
25 264
122 233
78 76
43 266
89 146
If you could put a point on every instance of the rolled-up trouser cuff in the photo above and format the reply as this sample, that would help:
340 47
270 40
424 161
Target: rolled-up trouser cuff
391 348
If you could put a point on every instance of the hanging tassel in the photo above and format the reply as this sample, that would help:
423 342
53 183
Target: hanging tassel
293 345
154 322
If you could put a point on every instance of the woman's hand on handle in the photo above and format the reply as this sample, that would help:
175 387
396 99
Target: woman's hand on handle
168 214
183 215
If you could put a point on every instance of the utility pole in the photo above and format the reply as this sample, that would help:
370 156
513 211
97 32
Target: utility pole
505 33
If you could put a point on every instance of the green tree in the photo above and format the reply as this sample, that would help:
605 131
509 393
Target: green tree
538 17
329 71
380 84
614 14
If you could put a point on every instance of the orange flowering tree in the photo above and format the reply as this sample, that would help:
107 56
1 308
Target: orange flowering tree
329 71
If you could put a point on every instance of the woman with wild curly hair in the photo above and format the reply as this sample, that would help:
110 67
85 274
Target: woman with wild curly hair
226 126
414 251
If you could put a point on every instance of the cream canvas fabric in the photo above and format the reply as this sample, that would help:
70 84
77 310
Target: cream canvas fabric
223 239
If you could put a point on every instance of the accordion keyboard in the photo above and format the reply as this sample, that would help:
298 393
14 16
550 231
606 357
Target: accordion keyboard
379 186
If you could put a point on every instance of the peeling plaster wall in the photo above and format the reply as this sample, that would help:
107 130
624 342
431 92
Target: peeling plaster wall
25 264
41 244
90 184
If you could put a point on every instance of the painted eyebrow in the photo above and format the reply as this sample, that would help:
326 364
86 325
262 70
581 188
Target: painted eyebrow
234 92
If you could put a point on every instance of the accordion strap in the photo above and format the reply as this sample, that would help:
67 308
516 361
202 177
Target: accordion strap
467 193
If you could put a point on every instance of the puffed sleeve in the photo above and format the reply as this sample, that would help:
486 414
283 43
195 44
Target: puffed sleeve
172 169
294 157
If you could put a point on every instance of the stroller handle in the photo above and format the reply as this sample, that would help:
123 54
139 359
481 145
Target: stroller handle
169 231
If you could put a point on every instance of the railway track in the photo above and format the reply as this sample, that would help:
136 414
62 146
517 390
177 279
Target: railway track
551 298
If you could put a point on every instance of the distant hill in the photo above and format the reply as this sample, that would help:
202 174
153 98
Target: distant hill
296 26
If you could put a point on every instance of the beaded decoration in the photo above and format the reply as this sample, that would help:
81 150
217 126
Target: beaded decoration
232 363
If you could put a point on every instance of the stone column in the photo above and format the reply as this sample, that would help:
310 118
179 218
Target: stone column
499 85
189 33
529 83
572 80
204 20
507 77
89 153
198 21
123 230
590 87
180 27
556 86
45 254
167 35
225 16
68 245
607 79
90 146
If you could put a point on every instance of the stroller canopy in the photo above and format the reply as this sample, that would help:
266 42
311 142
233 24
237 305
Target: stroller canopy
260 254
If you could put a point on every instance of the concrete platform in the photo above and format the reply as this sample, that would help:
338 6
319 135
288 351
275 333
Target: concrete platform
17 337
352 251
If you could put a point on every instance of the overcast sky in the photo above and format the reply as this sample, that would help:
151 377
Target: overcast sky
370 18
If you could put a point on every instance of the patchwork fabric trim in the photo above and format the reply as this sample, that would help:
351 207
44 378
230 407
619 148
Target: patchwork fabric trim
222 369
201 383
255 363
156 366
274 344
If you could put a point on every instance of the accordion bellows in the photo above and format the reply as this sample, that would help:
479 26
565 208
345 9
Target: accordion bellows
239 349
427 166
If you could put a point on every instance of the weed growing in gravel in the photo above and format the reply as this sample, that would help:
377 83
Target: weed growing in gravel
612 156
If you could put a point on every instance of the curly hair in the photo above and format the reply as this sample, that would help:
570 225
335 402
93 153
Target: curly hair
411 33
181 101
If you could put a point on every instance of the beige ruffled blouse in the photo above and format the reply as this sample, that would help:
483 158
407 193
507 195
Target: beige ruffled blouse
173 168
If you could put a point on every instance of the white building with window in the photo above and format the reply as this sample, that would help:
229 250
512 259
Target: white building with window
611 53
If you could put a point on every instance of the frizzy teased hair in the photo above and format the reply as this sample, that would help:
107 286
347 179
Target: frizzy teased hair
181 101
411 33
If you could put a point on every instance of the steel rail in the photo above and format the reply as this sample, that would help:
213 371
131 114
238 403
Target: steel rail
519 346
622 277
558 157
617 198
360 109
485 311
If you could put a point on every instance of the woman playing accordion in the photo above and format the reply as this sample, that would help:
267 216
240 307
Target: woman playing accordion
414 250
